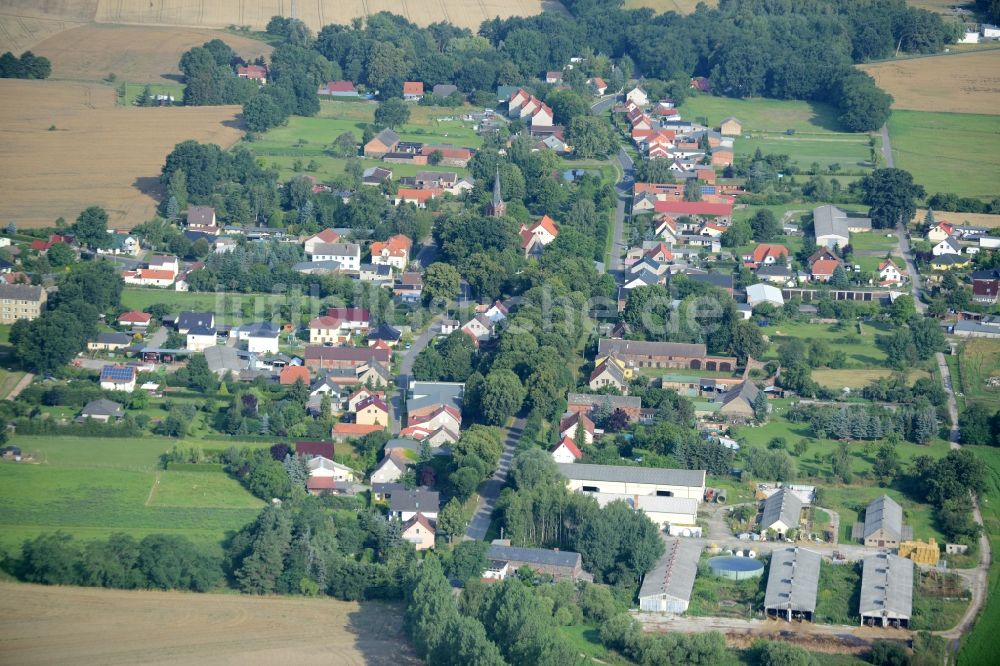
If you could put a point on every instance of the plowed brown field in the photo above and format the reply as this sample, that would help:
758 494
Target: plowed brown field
133 53
63 625
98 154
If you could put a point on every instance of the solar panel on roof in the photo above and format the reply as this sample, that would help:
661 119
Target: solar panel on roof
117 374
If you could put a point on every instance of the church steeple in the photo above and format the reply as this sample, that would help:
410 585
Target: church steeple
497 207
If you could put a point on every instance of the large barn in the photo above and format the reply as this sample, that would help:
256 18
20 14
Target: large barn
667 588
791 584
624 480
886 591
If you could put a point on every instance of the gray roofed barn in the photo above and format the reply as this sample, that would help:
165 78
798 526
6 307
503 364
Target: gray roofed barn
832 226
781 512
388 137
595 401
738 401
560 564
883 523
886 591
626 474
667 587
791 584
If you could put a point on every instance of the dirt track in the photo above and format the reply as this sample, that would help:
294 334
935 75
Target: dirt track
60 625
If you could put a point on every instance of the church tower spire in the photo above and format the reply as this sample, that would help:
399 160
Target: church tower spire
497 207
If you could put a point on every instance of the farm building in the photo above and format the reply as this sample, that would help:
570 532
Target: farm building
622 480
886 591
638 354
730 127
781 512
883 526
560 564
663 511
833 226
791 584
738 402
667 588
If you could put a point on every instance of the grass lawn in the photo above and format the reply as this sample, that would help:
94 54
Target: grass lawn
948 152
586 640
978 645
134 90
856 378
860 348
839 593
850 501
851 151
978 360
874 241
766 115
230 308
92 487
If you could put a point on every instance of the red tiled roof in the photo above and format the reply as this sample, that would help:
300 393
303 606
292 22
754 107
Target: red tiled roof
340 86
324 449
292 373
154 274
326 236
660 248
419 518
694 208
413 87
765 250
355 429
454 152
252 71
135 317
420 196
571 446
321 483
349 314
824 266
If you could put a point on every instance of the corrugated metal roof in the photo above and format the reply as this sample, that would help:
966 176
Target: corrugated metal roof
886 586
675 572
784 506
541 556
625 474
883 513
792 580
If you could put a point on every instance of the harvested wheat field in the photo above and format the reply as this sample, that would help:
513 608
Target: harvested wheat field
97 153
958 83
61 625
133 53
973 219
315 13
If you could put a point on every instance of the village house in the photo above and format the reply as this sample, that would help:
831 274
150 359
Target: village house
534 238
381 144
889 273
413 91
721 213
118 378
947 262
294 373
948 245
256 73
348 255
339 325
375 176
188 320
346 431
738 402
345 358
883 526
405 504
420 531
409 287
323 467
110 342
415 196
453 156
102 411
135 319
730 127
571 421
609 373
766 254
337 89
637 96
201 338
325 237
21 301
202 219
590 404
822 269
566 451
939 232
394 252
372 411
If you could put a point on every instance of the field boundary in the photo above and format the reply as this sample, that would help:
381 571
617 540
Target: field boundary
152 490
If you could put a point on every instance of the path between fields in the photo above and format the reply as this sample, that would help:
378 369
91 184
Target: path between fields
886 145
152 491
20 386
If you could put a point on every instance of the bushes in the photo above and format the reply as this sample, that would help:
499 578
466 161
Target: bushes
159 561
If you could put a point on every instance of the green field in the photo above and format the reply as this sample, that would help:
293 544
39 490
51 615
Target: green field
767 115
92 487
851 151
977 361
229 308
132 91
948 152
981 642
860 348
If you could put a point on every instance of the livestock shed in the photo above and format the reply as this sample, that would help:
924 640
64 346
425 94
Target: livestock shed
624 480
560 564
886 591
791 584
667 588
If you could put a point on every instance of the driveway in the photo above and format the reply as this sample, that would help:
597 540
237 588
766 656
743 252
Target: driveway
406 368
489 491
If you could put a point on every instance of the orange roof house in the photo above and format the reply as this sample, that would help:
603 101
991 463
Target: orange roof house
293 373
413 89
766 253
822 269
350 430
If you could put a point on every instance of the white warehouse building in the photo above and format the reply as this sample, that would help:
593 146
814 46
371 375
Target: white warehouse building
623 480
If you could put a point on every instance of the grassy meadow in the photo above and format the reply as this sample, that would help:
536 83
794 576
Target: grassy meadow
948 152
978 645
92 487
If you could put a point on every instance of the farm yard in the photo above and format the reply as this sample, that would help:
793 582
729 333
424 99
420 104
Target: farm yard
48 625
133 53
958 83
92 487
65 146
940 149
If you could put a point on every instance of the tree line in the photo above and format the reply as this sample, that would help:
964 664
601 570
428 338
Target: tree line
28 66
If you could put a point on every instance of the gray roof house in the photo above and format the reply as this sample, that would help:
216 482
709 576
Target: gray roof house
102 410
737 403
781 512
430 394
791 584
189 320
886 591
883 526
404 505
560 564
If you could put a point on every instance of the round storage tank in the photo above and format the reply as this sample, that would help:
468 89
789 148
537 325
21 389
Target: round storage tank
736 568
